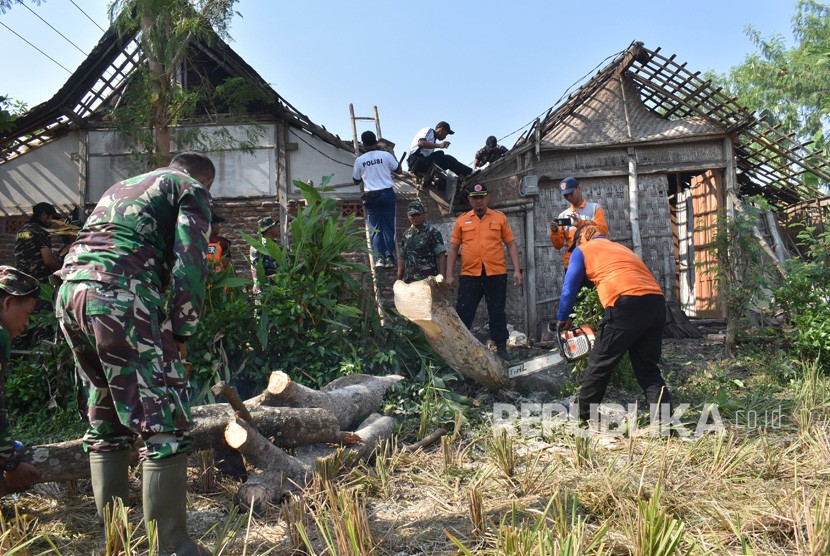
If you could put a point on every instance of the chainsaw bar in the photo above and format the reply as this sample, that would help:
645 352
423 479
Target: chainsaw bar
535 365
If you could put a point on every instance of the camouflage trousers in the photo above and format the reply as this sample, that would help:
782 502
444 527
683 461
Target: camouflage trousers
129 363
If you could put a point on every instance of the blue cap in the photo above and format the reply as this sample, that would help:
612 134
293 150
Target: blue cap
568 185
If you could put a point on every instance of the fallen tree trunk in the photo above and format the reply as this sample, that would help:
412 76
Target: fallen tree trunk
372 431
228 392
350 399
269 468
425 303
288 426
62 461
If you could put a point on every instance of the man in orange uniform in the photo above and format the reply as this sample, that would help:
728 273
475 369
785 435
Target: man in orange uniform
635 314
481 232
580 213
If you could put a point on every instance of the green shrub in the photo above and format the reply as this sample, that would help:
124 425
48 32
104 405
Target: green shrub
805 297
41 389
314 319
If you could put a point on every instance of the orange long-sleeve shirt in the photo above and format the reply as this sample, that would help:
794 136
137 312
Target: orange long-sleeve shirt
588 213
481 242
613 268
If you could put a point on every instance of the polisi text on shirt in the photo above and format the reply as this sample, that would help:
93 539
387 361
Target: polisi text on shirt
373 162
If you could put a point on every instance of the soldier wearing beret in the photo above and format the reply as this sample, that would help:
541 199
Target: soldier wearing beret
423 252
18 293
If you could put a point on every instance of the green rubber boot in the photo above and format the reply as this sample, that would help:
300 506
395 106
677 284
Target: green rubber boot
164 491
110 474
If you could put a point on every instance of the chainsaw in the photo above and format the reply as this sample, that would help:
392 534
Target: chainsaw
575 344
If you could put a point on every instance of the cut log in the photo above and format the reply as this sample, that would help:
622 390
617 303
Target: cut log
371 431
350 399
426 303
270 469
288 426
62 461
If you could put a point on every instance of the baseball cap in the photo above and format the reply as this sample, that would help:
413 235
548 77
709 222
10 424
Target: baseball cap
446 126
476 190
17 282
266 223
568 185
491 141
415 207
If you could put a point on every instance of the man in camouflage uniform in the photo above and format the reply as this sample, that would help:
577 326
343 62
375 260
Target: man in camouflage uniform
268 230
18 293
145 242
33 247
33 255
490 152
423 252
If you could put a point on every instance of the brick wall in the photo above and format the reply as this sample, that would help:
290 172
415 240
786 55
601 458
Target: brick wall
8 231
242 215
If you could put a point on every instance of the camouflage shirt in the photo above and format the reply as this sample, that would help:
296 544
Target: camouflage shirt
27 245
148 235
269 266
489 154
6 440
419 247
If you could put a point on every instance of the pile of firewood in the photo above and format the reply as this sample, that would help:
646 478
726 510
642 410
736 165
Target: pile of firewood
340 418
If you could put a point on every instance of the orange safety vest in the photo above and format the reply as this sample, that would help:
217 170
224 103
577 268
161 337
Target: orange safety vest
214 254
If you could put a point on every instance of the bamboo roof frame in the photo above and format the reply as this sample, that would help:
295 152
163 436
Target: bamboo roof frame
101 79
770 163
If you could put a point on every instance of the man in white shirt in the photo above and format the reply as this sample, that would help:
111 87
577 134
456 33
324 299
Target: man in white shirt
375 169
422 153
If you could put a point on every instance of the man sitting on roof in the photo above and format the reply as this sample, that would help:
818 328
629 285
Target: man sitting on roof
490 152
422 153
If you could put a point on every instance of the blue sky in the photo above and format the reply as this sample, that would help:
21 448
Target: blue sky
487 67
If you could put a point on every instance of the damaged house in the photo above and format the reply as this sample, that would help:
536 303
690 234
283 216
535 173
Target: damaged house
66 151
667 155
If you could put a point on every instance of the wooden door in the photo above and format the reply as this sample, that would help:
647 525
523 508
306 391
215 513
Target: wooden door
706 192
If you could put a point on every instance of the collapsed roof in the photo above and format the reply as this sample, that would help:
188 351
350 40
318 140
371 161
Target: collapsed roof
678 103
101 80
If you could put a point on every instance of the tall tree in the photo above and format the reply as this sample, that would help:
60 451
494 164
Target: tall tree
167 28
9 110
790 85
5 5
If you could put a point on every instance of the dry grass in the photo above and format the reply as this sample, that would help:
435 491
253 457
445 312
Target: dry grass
745 492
